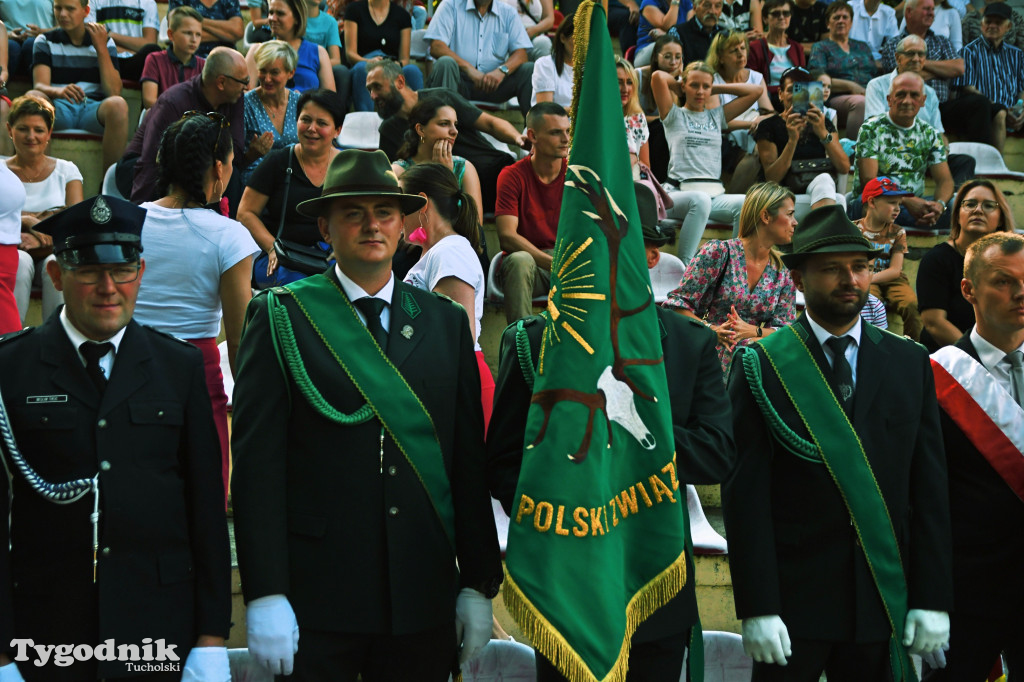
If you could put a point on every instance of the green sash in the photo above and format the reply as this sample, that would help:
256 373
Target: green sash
843 455
334 320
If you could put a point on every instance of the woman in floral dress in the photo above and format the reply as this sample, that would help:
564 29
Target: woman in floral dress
739 287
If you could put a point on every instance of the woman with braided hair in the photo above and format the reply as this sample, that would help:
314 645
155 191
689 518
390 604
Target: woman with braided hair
448 229
198 262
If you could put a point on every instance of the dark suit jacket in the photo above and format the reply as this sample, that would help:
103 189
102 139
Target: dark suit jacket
700 423
696 42
988 523
165 566
354 548
792 549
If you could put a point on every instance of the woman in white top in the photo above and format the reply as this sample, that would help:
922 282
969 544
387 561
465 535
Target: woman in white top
694 134
552 75
447 228
198 262
51 185
12 200
728 57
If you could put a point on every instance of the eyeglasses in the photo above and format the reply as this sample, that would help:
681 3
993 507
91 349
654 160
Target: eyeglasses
213 116
93 274
240 81
987 206
913 53
780 13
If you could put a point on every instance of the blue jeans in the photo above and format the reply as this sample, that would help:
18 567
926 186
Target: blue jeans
361 100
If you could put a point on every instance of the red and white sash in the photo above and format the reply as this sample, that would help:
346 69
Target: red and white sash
984 410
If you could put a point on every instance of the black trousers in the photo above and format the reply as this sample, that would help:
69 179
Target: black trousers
660 660
840 661
975 643
428 656
969 117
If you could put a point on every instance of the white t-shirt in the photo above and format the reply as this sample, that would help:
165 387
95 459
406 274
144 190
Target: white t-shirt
873 29
754 78
694 143
12 201
126 17
453 256
186 252
546 79
779 64
535 11
50 191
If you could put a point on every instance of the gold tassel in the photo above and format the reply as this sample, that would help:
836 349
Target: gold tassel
552 645
581 38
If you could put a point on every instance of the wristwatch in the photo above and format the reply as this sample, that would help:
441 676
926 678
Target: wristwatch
503 69
827 139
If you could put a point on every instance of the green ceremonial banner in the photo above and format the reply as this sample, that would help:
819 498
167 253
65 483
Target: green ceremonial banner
596 541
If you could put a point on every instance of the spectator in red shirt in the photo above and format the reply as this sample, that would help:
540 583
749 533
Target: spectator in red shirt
527 208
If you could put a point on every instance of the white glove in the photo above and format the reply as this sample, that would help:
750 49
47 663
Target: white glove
766 639
10 673
273 633
207 664
473 618
936 659
925 631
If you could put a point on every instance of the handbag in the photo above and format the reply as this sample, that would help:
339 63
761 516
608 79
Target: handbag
803 171
308 260
718 283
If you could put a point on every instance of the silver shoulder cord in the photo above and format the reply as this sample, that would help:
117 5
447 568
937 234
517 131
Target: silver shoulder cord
58 493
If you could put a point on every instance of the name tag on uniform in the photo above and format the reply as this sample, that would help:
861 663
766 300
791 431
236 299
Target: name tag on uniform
35 399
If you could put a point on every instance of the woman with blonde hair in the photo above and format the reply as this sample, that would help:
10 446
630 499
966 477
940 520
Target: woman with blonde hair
979 209
739 287
270 109
288 23
694 133
638 135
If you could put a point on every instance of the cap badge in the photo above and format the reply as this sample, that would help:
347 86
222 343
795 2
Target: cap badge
100 212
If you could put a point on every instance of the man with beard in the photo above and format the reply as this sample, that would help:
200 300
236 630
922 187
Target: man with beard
393 100
697 33
831 571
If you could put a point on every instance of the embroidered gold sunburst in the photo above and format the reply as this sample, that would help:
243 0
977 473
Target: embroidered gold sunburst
572 286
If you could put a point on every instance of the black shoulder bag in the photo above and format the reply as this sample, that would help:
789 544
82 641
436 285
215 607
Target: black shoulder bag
308 260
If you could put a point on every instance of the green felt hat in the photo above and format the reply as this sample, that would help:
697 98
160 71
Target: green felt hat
358 173
827 230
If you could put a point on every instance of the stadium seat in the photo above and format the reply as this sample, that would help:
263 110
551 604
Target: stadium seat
494 292
110 183
630 53
419 48
724 660
666 275
501 661
988 162
360 131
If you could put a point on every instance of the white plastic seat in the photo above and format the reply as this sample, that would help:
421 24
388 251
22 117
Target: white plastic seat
419 48
501 661
109 186
501 521
494 292
361 130
225 370
163 38
496 106
987 159
724 660
666 275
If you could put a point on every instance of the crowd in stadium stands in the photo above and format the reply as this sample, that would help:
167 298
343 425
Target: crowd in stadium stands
720 97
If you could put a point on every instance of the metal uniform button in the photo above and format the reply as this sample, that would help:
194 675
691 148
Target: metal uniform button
102 423
393 511
104 465
44 420
160 414
106 551
392 470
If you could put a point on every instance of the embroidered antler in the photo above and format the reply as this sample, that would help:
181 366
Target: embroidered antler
613 223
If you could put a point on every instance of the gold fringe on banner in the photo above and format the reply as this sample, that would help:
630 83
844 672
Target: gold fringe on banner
552 645
581 38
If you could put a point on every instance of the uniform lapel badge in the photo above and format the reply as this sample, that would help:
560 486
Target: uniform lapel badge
410 306
100 212
407 331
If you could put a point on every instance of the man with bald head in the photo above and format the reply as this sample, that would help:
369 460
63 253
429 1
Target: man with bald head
911 53
219 88
899 145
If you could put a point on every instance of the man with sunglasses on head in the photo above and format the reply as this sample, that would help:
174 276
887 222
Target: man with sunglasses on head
116 536
219 89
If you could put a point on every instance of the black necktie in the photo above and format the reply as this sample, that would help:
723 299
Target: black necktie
92 352
841 371
371 308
